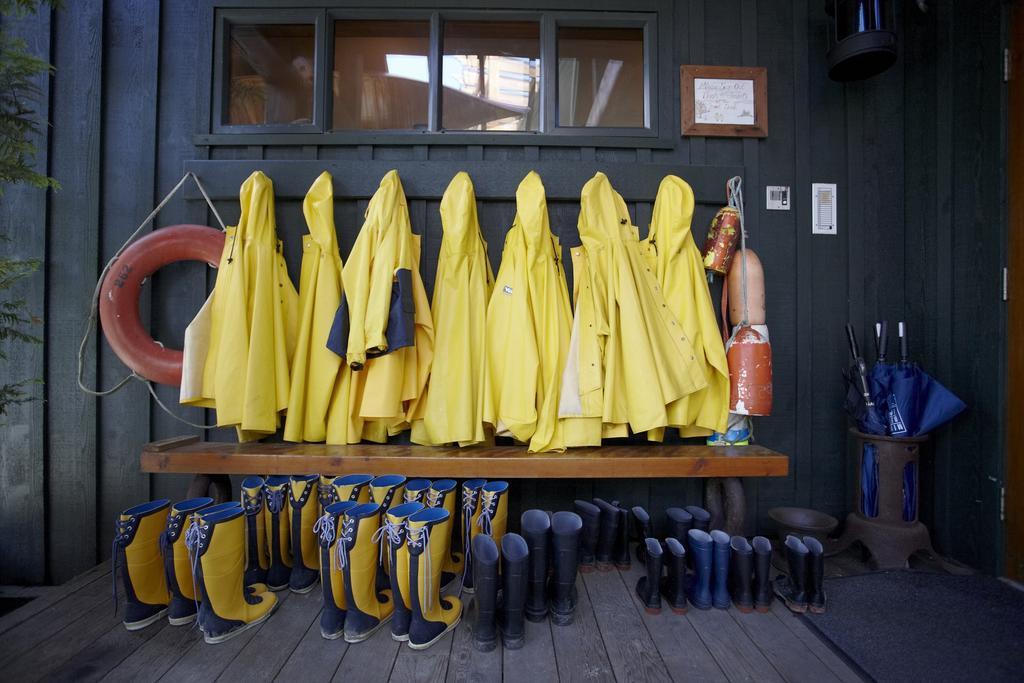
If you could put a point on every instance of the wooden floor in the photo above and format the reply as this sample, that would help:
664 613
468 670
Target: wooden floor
71 633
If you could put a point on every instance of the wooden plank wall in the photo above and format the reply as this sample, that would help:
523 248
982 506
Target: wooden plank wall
916 154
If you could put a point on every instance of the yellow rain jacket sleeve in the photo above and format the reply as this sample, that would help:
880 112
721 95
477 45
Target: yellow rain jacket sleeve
672 253
314 367
451 409
528 328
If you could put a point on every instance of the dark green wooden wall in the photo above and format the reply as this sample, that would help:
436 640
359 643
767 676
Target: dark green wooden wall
916 153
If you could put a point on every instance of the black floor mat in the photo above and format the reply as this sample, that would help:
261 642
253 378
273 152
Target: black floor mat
906 626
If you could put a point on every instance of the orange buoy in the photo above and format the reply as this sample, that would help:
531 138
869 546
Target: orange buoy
119 296
749 355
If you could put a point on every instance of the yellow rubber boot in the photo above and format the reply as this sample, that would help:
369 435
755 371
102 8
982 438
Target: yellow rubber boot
493 516
442 494
304 508
326 493
227 608
367 607
332 578
470 516
277 527
428 539
136 553
387 491
184 603
353 487
257 560
416 491
393 534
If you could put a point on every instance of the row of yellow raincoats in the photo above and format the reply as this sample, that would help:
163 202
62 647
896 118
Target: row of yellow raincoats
360 353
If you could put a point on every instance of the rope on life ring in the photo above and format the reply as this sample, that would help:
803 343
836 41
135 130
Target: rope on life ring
725 500
122 286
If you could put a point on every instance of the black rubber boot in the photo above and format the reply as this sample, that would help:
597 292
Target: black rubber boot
620 556
514 574
699 586
679 524
701 520
762 574
815 575
566 528
673 586
607 536
741 569
536 527
792 589
590 514
720 569
645 530
649 587
485 598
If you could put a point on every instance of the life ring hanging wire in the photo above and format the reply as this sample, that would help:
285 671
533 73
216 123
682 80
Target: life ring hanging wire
90 326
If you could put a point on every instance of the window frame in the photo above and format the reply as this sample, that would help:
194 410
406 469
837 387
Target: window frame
653 16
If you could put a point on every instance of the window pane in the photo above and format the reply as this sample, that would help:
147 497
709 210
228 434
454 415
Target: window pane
601 77
381 77
491 76
270 74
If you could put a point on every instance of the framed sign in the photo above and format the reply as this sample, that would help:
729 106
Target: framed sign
724 101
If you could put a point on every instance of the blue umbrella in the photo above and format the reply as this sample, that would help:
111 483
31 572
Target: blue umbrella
859 403
881 374
869 481
917 403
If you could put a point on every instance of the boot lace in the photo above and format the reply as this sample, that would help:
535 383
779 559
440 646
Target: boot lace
488 507
275 499
412 496
253 503
327 494
420 538
121 530
324 528
469 497
197 532
433 498
348 528
393 531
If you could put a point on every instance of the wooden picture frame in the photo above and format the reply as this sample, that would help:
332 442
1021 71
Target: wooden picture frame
732 103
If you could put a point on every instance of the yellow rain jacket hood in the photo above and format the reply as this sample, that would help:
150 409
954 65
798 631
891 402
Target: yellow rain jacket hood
452 407
314 367
528 326
382 327
253 321
629 357
672 253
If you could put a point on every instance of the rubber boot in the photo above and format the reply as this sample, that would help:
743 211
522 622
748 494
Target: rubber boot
394 537
621 555
679 524
470 514
416 491
720 569
762 574
590 514
184 603
644 530
387 491
443 494
428 538
277 526
741 569
701 520
485 598
699 585
673 585
792 589
303 501
136 548
326 494
332 579
815 575
354 487
368 608
536 528
566 529
257 561
648 587
608 533
227 608
491 516
514 575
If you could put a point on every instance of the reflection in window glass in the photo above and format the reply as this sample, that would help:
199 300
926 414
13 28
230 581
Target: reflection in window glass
601 77
381 76
491 76
270 74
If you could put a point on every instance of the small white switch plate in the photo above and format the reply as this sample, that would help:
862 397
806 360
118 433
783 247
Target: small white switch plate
823 209
777 197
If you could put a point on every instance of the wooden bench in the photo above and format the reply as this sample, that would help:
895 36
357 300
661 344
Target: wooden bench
725 464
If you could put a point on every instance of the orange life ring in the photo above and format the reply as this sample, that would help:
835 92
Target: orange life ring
119 296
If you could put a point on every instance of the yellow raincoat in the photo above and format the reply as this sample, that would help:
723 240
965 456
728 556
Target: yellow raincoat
253 321
672 254
630 358
528 326
315 368
451 409
382 327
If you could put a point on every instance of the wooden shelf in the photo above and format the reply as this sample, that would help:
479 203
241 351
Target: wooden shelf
608 462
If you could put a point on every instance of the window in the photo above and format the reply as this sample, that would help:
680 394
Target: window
601 77
271 70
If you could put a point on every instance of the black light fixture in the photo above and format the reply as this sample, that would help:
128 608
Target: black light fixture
861 40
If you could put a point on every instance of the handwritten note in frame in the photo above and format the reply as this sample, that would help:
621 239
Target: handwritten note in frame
724 101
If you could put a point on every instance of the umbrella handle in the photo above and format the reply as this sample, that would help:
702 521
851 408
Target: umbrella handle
904 354
851 338
878 341
883 341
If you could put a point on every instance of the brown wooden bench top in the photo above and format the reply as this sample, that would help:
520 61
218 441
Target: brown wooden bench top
188 454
